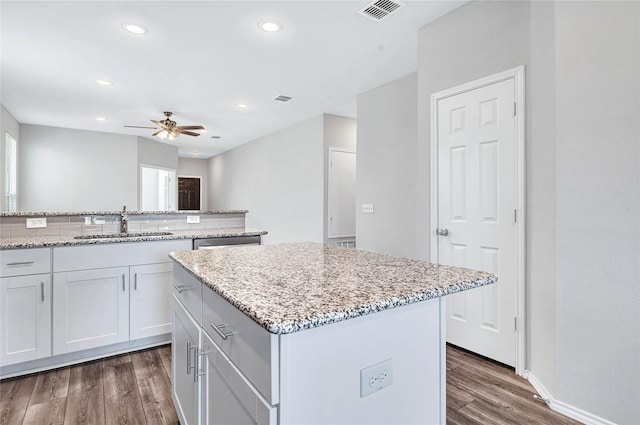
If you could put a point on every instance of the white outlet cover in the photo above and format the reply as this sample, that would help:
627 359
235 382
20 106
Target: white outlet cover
36 223
376 377
193 219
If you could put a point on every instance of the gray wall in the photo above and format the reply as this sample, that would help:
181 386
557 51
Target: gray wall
338 132
386 168
7 124
598 207
194 167
582 163
62 169
279 179
75 170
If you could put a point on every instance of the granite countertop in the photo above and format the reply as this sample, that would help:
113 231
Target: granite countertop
89 213
291 287
50 241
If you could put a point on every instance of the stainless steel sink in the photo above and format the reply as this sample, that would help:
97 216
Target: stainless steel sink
123 235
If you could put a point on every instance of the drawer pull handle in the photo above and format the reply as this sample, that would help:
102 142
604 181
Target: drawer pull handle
21 263
42 291
189 348
135 281
220 331
180 288
123 288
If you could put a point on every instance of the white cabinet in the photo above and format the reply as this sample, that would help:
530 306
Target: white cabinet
226 395
111 293
25 305
91 308
184 355
150 300
25 323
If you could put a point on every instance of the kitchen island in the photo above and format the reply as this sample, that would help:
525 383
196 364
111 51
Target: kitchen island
309 333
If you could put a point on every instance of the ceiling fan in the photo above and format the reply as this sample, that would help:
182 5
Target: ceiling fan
169 129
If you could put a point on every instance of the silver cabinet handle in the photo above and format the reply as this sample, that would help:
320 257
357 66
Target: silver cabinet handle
20 263
220 330
135 281
196 372
442 232
42 291
123 288
180 288
189 348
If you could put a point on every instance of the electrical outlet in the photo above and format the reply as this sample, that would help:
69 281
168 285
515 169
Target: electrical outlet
367 209
36 223
193 219
376 377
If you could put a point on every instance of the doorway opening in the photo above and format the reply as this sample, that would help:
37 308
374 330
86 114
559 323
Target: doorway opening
189 193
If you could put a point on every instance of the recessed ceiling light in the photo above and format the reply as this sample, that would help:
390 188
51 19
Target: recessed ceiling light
242 105
195 153
269 25
104 82
134 28
101 119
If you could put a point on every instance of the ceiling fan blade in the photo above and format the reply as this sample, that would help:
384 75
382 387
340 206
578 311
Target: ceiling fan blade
138 126
190 127
158 132
188 133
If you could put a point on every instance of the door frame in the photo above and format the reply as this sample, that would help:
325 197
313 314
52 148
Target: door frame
190 177
517 74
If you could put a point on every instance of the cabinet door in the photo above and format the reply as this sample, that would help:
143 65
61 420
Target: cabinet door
25 323
227 396
90 308
184 350
151 288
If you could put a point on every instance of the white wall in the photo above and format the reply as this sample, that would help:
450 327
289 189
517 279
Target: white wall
75 170
7 124
597 49
279 179
339 132
386 168
583 190
194 167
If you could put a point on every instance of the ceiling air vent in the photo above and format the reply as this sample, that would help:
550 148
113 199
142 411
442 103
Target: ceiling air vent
216 137
380 9
282 98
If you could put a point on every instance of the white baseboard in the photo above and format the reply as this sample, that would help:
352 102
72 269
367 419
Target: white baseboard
562 407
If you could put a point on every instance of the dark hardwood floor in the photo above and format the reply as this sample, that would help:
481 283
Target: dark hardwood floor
134 389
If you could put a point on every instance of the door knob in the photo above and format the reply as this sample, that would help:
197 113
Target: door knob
442 232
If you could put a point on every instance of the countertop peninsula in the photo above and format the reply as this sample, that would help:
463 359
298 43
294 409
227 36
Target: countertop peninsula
291 287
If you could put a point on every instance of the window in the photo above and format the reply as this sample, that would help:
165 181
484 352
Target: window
11 174
158 188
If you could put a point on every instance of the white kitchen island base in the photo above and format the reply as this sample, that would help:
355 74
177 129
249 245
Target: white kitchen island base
320 369
297 334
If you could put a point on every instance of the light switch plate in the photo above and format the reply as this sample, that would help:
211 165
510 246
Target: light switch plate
36 223
193 219
367 209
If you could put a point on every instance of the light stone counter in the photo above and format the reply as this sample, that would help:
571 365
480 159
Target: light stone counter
52 241
291 287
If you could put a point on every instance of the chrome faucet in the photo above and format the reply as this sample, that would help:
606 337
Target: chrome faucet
124 220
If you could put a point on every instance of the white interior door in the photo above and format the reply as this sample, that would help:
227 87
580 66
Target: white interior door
341 203
476 205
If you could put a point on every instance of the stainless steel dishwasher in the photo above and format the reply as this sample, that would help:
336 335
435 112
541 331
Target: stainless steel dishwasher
214 243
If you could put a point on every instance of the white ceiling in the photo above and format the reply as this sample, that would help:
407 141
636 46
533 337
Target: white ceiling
199 59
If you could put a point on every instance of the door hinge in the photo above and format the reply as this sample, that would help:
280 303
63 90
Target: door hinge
515 109
515 323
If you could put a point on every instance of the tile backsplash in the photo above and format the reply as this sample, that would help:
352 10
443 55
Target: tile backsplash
75 225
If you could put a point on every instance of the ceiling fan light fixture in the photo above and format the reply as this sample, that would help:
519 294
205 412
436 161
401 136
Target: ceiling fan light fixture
163 134
104 83
173 135
134 28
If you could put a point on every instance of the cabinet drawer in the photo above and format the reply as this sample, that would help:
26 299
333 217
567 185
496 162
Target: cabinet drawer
249 346
20 262
188 290
115 254
227 396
